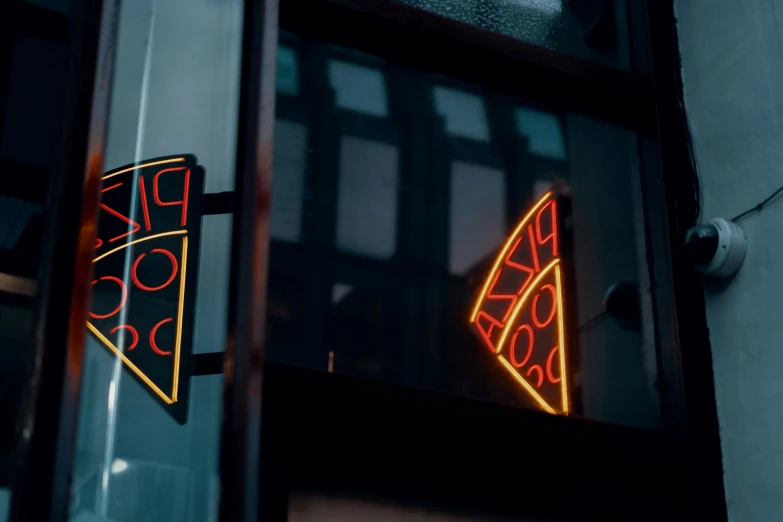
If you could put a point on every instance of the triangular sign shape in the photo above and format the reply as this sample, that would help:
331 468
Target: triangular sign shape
145 268
519 312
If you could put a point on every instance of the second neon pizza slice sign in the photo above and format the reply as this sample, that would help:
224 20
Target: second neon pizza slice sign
519 313
145 270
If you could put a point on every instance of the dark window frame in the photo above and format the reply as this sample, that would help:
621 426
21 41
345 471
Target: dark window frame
688 450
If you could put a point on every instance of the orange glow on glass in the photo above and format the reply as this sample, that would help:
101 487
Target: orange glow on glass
126 245
502 254
180 312
129 364
150 164
534 313
521 302
183 201
531 341
561 340
174 268
154 330
532 391
553 235
133 332
124 290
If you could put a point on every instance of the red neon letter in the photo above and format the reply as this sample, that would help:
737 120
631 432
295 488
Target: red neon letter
113 212
534 313
122 300
549 366
529 271
98 243
111 187
144 206
487 333
510 297
133 332
183 201
553 234
174 268
530 340
152 337
540 372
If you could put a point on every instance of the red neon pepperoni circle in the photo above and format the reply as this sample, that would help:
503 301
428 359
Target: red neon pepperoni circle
549 366
154 330
122 301
537 368
133 332
531 338
174 268
542 324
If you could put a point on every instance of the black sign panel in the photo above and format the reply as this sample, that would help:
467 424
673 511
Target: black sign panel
146 267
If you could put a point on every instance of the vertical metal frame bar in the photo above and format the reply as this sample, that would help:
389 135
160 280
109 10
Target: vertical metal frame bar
243 363
49 415
684 354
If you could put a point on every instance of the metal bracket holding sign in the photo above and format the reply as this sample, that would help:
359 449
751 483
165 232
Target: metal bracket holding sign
145 273
520 313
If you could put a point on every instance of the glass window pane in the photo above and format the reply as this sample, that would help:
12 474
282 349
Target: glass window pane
477 223
288 180
212 303
543 132
147 443
358 88
464 113
596 30
367 198
451 248
287 71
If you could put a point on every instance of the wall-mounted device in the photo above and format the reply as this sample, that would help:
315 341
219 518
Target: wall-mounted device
716 248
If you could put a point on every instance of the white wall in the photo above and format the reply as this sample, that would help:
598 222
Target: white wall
732 60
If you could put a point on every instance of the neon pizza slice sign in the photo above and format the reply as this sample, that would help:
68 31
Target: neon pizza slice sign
145 266
519 312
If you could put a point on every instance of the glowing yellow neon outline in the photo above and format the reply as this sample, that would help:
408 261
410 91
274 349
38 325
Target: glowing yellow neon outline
180 310
514 313
527 386
130 365
561 334
502 254
126 245
150 164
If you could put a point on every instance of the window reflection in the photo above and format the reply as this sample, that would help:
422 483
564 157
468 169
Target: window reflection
287 71
390 201
288 180
358 88
464 113
367 198
543 132
477 215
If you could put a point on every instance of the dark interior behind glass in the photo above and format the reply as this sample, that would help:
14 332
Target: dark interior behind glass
393 190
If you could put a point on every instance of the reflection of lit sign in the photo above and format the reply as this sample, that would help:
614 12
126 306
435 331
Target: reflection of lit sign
146 257
519 311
